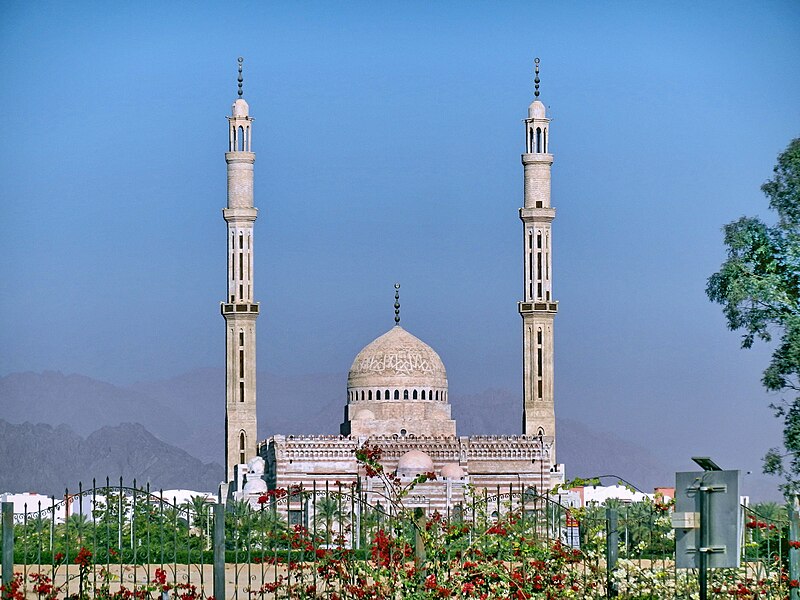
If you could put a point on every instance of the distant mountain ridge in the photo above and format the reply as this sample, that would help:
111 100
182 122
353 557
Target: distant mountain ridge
45 459
186 414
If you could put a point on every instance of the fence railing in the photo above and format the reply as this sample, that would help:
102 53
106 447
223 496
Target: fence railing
117 541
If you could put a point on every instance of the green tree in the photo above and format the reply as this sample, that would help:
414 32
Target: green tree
331 515
197 508
758 287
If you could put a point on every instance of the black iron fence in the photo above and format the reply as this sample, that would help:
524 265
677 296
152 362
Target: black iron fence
117 541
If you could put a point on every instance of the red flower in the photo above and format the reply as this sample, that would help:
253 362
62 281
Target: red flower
84 558
430 582
58 557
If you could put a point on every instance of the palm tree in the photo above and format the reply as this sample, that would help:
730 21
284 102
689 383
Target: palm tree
269 526
238 524
34 534
329 511
78 526
770 512
197 508
370 522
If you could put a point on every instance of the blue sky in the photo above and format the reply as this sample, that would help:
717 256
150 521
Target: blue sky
388 138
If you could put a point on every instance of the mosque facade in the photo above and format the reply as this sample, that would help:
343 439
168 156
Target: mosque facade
397 390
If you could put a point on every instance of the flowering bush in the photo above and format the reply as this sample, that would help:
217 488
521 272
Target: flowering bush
516 549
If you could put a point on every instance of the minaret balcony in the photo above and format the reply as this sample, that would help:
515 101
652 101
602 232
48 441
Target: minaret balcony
537 157
243 156
541 213
244 214
239 308
528 308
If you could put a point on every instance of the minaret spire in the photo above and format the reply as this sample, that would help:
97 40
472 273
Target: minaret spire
538 307
240 309
241 60
536 80
397 304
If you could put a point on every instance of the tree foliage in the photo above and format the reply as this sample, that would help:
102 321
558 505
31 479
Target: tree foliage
758 287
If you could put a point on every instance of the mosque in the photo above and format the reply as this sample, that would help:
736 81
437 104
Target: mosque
397 389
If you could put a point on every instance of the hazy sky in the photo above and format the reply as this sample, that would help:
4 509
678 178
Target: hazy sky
388 138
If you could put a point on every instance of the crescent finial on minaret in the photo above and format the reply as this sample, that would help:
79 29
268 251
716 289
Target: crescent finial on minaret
241 60
397 304
536 79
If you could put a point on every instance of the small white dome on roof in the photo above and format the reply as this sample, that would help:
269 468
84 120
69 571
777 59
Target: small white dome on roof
240 108
397 359
537 110
414 462
453 471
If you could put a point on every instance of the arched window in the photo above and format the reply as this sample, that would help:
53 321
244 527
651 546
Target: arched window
430 394
369 395
362 394
423 394
544 134
386 395
415 395
541 432
378 395
240 138
538 139
405 394
397 394
242 445
437 394
539 363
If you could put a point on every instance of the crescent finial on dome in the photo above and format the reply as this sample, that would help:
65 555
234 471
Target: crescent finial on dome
397 304
240 60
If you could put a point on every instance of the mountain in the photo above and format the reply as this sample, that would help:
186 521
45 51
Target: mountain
48 459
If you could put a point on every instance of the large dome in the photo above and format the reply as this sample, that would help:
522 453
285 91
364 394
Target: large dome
397 358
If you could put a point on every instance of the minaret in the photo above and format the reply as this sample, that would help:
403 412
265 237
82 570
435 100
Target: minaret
538 309
239 309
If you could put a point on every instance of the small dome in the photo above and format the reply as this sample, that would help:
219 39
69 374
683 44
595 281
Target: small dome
365 414
397 359
414 462
536 110
240 108
453 471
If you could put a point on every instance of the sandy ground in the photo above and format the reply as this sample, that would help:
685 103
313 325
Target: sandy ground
237 579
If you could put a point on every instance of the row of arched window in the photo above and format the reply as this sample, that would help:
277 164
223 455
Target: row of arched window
239 139
414 394
537 140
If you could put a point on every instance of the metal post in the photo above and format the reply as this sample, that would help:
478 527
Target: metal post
794 535
703 549
612 550
219 551
419 544
8 543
